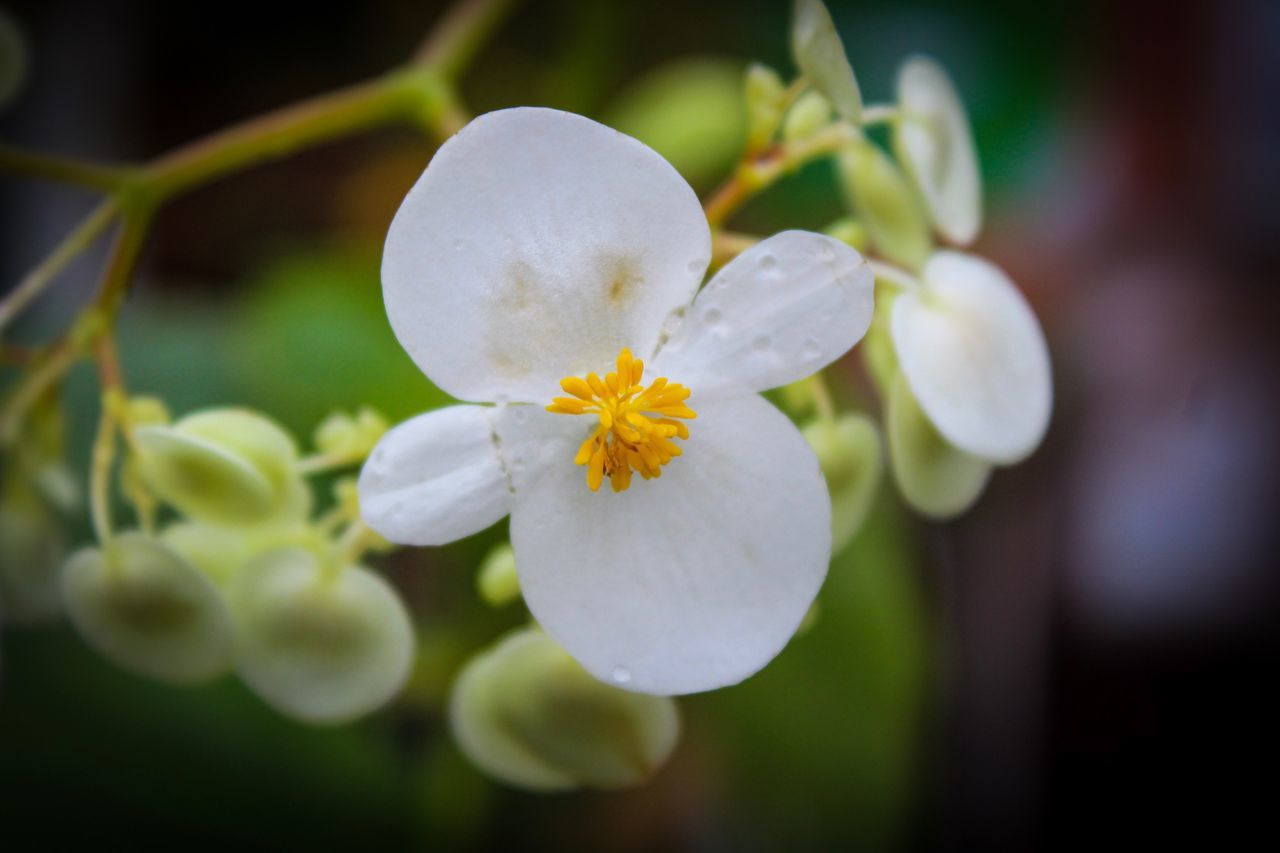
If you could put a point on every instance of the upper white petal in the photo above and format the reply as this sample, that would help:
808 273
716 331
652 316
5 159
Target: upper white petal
935 142
688 582
780 311
975 358
435 478
536 245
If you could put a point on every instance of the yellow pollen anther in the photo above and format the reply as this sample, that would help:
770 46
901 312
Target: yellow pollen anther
636 423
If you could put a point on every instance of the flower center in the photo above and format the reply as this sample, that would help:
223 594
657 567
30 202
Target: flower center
636 423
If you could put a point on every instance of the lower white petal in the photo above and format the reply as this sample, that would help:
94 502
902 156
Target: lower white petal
780 311
975 357
435 478
688 582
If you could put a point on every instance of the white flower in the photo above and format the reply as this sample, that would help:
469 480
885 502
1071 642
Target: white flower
538 251
973 386
935 143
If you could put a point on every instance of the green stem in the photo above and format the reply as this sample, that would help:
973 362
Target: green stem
62 169
822 397
879 114
104 451
39 278
456 38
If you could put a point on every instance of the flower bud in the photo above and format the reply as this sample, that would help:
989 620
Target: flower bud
877 347
497 580
146 411
765 94
146 609
936 478
848 450
849 231
529 715
820 56
883 198
349 436
810 113
229 466
316 642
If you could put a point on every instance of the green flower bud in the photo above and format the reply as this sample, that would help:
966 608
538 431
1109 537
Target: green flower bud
321 645
497 580
820 56
765 95
936 478
345 435
146 609
848 450
885 200
810 113
218 552
147 411
529 715
31 552
849 231
230 466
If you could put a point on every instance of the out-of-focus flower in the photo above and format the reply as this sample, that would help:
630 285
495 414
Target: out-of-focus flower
228 466
975 387
146 609
535 247
319 640
934 141
820 56
810 113
765 97
525 712
497 579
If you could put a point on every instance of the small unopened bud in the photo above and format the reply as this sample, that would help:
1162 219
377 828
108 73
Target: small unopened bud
810 113
228 466
528 714
848 451
146 609
497 580
765 95
352 436
849 231
885 200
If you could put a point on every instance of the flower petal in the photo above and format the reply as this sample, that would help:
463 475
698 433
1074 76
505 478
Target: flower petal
535 246
684 583
976 360
934 141
435 478
780 311
934 477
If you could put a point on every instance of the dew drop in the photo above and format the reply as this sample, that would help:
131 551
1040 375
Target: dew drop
501 399
811 350
823 250
712 316
697 265
457 245
768 262
762 342
621 675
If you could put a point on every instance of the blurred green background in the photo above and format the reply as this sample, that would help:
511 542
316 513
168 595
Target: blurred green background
980 684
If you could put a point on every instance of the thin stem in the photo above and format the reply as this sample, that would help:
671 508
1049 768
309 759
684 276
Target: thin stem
822 397
104 451
49 368
355 540
460 33
72 245
62 169
879 114
896 276
323 462
754 176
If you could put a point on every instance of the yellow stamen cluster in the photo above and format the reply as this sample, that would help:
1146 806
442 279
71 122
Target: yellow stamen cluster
636 423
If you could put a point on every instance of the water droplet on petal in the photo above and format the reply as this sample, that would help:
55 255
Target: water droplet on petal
621 675
822 248
762 342
697 265
711 316
811 350
768 262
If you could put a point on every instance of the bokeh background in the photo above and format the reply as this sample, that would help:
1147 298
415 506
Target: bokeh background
1085 658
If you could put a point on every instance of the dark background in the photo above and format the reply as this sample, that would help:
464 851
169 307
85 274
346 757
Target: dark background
1083 660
